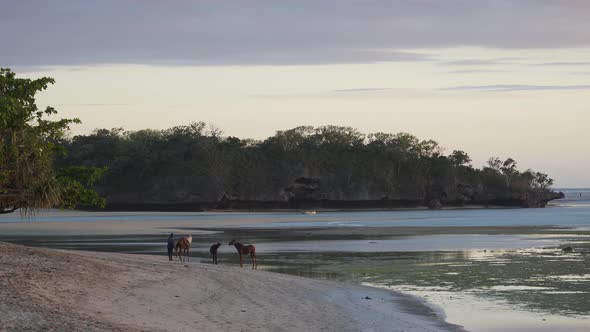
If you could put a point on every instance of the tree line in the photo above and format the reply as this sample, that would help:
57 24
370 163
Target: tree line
195 166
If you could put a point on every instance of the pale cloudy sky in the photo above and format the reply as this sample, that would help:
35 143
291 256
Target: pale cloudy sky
496 77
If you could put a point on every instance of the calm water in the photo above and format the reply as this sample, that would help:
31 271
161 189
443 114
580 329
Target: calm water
572 211
486 273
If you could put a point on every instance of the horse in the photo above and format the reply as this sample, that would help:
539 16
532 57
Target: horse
245 250
183 246
213 251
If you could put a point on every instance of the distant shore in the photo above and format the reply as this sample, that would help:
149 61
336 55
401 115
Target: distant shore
177 208
90 291
534 200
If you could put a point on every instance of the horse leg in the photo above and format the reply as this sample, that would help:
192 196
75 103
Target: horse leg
241 260
188 255
253 258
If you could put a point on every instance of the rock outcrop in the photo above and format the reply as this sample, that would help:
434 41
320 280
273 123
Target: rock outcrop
317 193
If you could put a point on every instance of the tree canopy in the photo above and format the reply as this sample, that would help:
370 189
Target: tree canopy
29 143
196 164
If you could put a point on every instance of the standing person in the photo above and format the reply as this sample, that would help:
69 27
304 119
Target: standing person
170 245
213 251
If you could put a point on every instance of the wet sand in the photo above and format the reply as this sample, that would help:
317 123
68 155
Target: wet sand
45 289
489 221
79 223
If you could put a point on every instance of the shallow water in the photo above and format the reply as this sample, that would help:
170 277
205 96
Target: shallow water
412 244
573 211
491 270
558 216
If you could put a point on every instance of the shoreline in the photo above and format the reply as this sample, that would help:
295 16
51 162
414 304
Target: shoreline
17 217
80 223
82 290
303 210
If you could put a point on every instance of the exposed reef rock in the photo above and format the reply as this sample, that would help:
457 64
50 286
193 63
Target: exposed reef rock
313 193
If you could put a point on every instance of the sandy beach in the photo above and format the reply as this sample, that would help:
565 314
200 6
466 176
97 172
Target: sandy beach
57 290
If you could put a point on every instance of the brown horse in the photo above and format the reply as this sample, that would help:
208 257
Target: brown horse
213 251
183 247
245 250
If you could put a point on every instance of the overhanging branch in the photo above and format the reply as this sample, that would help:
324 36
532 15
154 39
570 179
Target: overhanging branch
11 209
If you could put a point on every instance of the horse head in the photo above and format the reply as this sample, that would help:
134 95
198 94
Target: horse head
232 242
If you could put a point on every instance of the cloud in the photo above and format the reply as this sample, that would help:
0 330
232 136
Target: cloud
95 105
357 90
514 87
353 92
476 71
563 64
268 32
471 62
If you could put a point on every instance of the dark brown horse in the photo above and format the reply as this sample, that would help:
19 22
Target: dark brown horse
183 247
245 250
213 251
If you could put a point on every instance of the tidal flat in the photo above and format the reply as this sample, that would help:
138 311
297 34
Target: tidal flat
485 277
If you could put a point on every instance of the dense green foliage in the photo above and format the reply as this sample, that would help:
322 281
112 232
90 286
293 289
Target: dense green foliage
28 177
195 164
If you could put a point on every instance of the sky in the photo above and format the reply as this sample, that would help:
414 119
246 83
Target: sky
490 77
